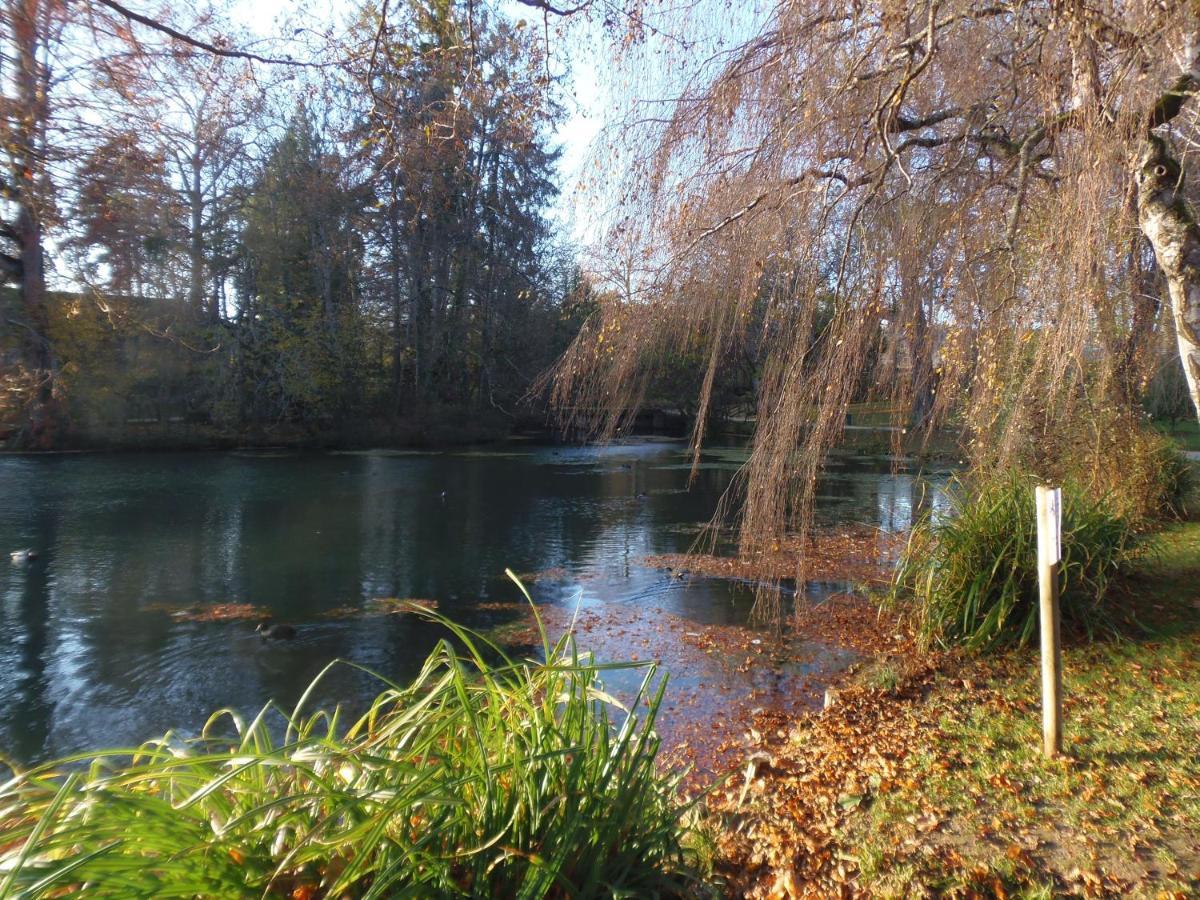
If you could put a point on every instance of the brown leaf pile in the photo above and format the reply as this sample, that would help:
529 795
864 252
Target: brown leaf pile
850 620
791 818
782 841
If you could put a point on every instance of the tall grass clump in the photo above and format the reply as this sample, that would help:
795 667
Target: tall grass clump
1168 479
971 572
487 776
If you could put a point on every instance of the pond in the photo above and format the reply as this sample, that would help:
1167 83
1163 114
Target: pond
104 641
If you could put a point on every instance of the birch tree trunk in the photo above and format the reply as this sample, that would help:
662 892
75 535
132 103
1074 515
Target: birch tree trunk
1168 224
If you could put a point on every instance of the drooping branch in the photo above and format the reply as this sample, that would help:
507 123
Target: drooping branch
987 132
556 10
814 173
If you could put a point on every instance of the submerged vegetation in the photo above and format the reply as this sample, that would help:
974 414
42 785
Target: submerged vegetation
487 776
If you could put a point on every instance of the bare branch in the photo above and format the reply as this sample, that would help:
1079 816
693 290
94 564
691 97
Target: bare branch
199 44
1168 105
556 10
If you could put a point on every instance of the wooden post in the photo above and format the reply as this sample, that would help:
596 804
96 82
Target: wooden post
1049 526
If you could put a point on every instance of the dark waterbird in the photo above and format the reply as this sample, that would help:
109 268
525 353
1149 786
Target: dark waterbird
272 632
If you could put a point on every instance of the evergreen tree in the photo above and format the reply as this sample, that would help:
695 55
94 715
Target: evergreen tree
459 133
298 342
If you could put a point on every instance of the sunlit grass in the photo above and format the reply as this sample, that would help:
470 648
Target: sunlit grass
1185 432
487 776
1125 798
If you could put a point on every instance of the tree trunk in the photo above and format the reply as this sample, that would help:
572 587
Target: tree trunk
195 196
1171 229
399 338
28 176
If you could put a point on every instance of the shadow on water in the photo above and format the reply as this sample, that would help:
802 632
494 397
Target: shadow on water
94 649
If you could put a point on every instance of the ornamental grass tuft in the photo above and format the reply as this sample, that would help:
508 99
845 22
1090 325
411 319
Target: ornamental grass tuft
487 776
971 573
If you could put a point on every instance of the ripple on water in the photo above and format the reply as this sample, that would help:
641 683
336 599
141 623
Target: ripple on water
84 661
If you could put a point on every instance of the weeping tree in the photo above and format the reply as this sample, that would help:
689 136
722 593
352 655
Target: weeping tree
986 199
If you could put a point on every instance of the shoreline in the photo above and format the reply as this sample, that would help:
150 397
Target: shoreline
732 682
925 777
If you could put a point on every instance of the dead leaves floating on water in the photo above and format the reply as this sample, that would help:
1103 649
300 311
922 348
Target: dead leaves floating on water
722 675
215 612
862 555
849 620
554 574
382 606
241 612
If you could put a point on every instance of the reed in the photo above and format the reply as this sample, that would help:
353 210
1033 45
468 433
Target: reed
486 776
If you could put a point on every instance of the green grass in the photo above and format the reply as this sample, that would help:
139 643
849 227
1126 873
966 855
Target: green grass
1185 432
487 776
882 674
971 576
1125 802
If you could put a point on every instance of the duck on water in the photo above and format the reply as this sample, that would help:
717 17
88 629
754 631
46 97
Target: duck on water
275 632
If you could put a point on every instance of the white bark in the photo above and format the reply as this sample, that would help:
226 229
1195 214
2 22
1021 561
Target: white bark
1171 229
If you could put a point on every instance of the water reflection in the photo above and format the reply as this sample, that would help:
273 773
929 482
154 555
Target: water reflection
89 654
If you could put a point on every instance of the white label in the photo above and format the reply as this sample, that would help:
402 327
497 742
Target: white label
1049 525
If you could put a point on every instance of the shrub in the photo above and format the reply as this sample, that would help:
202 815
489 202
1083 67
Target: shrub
1139 471
486 776
972 573
1158 478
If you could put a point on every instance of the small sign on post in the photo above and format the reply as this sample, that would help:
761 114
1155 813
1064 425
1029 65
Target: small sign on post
1049 533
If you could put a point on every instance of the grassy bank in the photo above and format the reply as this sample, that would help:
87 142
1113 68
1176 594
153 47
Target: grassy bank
487 776
926 778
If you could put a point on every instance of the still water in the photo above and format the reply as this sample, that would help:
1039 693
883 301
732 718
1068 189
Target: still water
90 654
